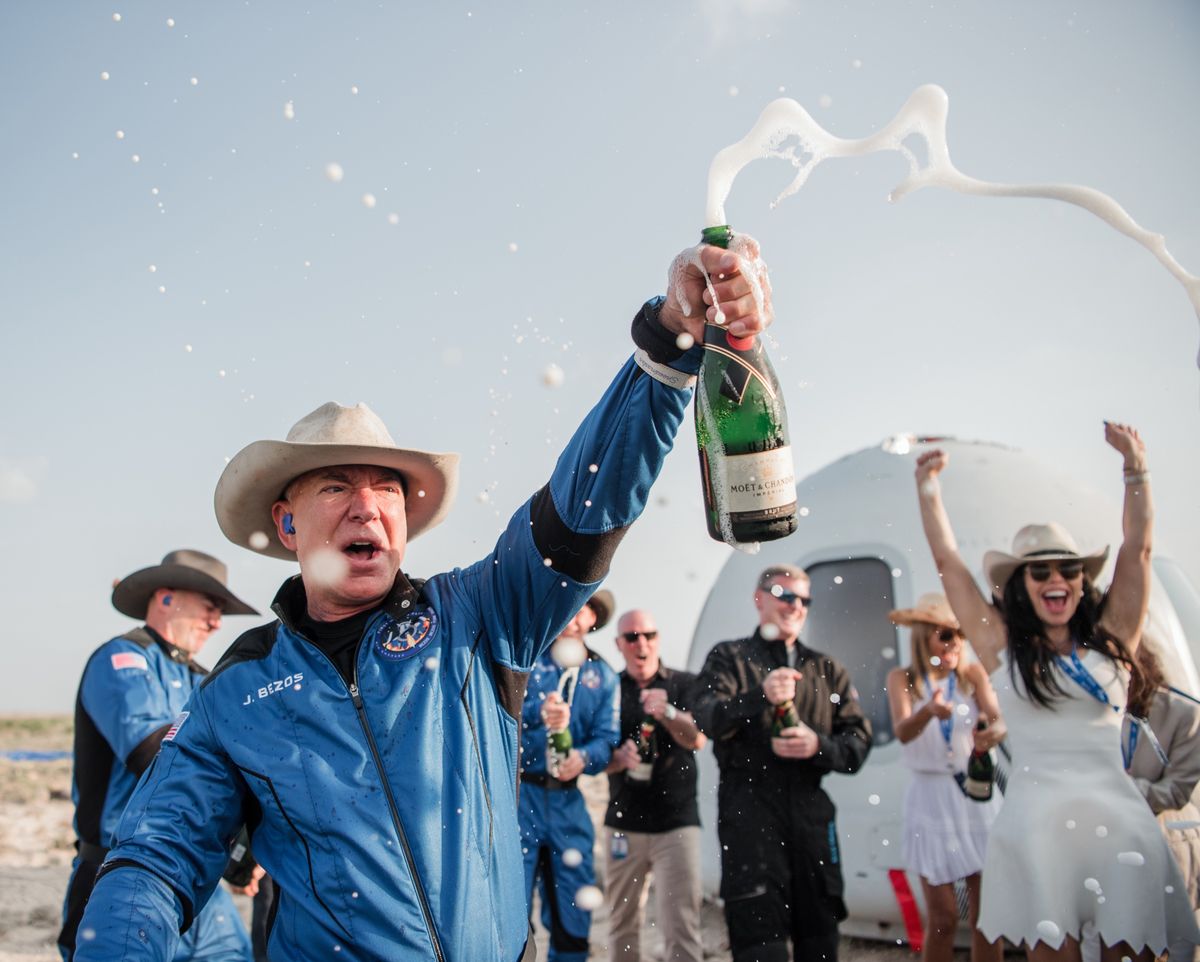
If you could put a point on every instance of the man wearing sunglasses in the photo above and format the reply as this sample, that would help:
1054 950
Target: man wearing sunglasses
653 822
781 876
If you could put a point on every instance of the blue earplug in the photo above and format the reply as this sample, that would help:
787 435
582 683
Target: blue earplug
166 599
287 524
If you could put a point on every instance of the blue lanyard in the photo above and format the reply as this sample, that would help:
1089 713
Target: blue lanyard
945 724
1075 670
1136 725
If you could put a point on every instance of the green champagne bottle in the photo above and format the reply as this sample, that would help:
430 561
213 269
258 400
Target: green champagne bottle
981 771
558 747
645 746
785 717
742 433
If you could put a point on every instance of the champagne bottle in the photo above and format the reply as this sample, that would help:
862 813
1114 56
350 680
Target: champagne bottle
645 746
741 430
785 717
558 747
981 771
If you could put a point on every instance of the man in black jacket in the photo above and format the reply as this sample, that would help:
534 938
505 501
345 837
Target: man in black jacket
780 874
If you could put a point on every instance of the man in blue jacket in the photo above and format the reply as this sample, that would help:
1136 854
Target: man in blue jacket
571 688
368 738
132 690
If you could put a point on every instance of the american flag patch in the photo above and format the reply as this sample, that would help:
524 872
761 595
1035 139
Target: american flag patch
129 659
174 729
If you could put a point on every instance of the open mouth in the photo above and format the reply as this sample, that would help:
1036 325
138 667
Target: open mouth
361 550
1055 602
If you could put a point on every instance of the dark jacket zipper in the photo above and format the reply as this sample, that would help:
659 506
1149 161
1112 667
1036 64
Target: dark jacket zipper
422 898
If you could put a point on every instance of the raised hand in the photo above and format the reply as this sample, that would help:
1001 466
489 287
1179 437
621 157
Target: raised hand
930 464
556 713
734 276
938 706
1126 439
780 685
654 701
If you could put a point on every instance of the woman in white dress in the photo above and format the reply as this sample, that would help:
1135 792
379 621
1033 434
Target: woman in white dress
936 703
1074 851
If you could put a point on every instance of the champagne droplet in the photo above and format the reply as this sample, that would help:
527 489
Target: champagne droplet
589 898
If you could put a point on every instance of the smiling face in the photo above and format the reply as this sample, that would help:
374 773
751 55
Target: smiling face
781 605
637 640
1057 595
939 649
350 532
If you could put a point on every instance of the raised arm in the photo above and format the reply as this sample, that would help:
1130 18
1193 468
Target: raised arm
906 723
980 620
1129 594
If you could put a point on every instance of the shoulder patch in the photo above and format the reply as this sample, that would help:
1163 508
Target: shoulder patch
590 677
175 726
129 659
397 640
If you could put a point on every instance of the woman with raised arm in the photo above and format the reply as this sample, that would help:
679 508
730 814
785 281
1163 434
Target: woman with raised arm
1074 850
938 702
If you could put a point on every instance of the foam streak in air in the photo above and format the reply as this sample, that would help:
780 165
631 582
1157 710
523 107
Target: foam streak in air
785 130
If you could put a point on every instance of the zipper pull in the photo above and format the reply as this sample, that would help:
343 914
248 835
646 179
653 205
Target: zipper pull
354 695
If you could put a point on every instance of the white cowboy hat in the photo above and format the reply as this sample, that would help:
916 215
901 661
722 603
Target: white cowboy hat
930 609
331 435
1039 542
182 570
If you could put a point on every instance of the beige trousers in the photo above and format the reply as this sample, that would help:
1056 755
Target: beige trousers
673 859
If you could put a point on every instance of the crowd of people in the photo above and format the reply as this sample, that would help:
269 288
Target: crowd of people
397 758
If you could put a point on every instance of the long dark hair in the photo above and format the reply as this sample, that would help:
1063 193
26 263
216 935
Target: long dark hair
1033 657
1143 689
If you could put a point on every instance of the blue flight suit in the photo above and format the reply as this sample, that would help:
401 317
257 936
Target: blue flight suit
133 688
386 809
553 815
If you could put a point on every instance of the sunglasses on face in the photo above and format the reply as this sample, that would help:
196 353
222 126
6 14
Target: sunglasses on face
632 636
790 597
1041 570
948 635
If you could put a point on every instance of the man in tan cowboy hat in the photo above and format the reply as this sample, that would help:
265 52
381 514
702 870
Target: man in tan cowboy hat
132 690
571 689
369 737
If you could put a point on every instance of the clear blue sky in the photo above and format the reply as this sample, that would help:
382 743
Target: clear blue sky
545 162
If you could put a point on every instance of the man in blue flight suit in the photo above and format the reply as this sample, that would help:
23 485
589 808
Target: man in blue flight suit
368 738
571 687
132 690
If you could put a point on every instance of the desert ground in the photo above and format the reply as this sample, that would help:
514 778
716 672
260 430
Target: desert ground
36 849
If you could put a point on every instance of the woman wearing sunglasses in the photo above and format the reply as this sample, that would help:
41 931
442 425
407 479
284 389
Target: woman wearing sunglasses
936 702
1074 851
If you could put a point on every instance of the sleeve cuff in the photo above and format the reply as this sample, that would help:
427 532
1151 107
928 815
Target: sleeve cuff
658 345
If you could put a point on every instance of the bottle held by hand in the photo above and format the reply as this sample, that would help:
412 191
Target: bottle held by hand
785 717
746 467
645 746
981 771
558 747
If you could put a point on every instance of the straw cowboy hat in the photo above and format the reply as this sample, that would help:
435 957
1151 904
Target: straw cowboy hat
331 435
930 609
603 604
182 570
1039 542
